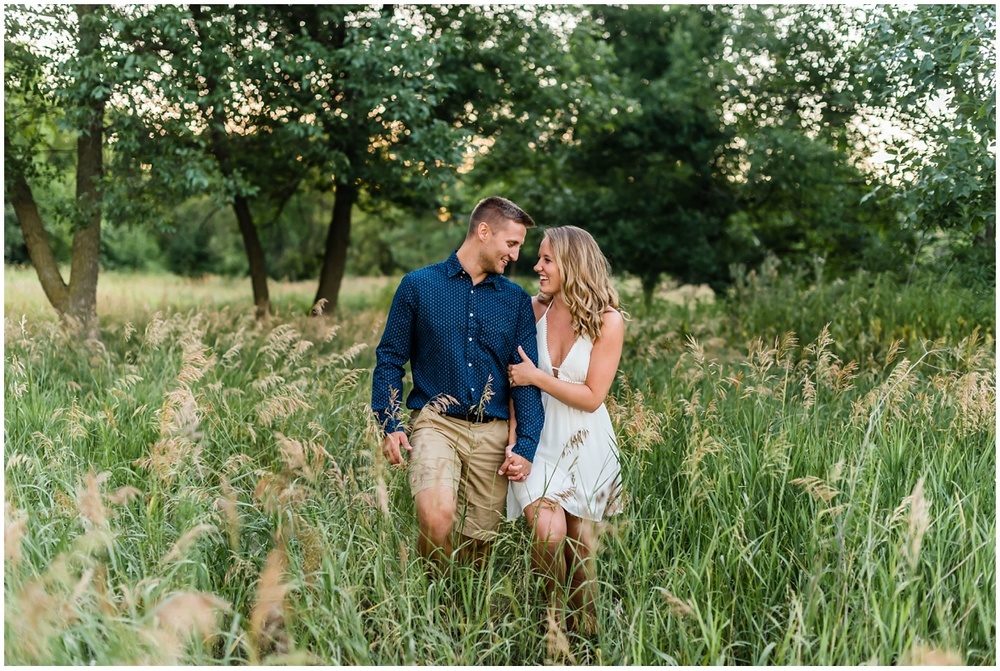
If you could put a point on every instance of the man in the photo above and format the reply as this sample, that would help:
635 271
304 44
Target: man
459 324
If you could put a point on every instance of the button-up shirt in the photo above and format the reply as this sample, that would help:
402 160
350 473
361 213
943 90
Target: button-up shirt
459 338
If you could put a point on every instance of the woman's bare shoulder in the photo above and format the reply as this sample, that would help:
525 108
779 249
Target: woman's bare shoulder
612 318
538 307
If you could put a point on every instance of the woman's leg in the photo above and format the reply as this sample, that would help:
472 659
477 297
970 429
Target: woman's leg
548 527
579 552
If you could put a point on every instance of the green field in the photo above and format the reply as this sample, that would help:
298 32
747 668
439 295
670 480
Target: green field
811 477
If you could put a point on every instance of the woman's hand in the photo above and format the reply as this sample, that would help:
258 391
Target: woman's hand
522 374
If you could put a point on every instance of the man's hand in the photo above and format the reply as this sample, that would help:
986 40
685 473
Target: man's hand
391 447
515 467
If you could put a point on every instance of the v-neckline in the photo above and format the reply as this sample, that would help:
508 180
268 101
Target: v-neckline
548 350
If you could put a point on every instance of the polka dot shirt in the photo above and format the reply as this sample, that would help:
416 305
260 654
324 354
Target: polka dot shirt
459 339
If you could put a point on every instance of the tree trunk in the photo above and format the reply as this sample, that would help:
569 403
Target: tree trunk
75 302
255 256
85 263
219 146
37 242
338 237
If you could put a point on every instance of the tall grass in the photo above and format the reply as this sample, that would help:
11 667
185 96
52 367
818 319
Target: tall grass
198 489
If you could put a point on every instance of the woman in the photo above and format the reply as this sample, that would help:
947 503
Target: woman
574 477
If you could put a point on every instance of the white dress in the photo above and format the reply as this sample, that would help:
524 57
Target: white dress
576 463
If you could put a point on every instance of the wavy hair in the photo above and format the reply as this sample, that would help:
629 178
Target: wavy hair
586 279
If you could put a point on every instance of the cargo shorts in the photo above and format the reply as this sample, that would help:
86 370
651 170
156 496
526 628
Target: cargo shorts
465 456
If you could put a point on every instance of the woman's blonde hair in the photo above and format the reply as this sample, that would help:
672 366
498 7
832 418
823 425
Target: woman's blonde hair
586 279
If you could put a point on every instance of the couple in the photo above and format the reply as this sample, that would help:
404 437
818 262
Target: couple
499 400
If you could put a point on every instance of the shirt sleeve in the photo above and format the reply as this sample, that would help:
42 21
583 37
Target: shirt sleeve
391 355
527 400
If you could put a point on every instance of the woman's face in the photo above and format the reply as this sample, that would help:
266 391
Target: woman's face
549 277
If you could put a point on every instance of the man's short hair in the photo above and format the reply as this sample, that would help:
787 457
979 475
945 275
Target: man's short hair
496 211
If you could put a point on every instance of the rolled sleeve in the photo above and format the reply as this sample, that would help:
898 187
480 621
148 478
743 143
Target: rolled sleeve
528 399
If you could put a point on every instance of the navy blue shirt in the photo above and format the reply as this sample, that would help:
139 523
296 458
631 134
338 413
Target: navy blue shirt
459 339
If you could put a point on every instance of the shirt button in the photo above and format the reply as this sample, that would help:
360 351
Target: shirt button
470 339
470 364
470 314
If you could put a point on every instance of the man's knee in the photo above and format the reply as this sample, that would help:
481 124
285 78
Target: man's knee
436 512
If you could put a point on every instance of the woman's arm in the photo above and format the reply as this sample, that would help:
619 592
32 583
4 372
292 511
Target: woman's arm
512 431
604 360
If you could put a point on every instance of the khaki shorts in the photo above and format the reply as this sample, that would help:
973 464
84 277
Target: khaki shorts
465 456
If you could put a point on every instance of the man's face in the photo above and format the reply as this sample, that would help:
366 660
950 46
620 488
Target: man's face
501 246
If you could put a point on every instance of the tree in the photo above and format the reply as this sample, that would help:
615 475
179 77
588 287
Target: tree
35 84
792 100
210 115
931 70
402 96
643 168
381 105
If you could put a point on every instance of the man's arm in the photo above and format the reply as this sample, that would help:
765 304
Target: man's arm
391 355
527 400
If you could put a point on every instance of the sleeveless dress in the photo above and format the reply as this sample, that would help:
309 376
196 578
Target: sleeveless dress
576 463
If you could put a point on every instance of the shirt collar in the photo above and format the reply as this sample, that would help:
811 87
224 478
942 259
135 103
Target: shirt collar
454 267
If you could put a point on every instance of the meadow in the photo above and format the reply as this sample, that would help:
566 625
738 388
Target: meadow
810 468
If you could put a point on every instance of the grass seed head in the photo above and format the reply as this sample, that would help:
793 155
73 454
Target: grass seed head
15 522
185 542
922 654
678 606
268 627
89 501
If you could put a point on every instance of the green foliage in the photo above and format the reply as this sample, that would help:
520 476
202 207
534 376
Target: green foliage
786 504
130 248
642 168
803 199
866 314
685 138
932 69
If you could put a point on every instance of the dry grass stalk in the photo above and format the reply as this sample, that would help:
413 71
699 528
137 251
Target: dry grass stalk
557 650
279 341
269 614
185 542
439 404
76 420
918 522
89 500
703 445
350 353
122 495
575 442
349 381
294 456
31 617
227 505
15 522
156 331
678 606
382 495
268 382
974 397
894 348
19 459
279 407
818 489
313 547
180 617
922 654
